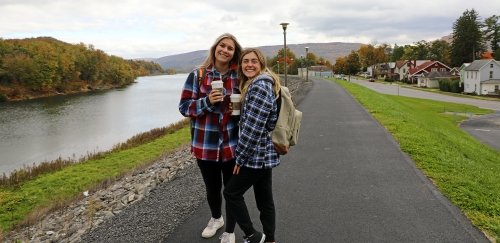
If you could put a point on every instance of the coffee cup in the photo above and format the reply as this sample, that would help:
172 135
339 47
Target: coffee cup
218 85
236 103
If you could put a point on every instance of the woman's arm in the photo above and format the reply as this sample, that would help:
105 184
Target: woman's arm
191 103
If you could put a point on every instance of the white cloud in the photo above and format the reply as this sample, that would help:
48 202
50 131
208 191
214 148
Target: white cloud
155 28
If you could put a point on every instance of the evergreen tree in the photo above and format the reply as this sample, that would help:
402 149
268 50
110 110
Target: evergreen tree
467 44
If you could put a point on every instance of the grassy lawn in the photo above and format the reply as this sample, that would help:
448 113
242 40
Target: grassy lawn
465 171
19 203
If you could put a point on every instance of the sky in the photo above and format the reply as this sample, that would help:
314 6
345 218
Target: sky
157 28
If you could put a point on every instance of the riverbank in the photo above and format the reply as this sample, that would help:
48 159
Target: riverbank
71 222
13 93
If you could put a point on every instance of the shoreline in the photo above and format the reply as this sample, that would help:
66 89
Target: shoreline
83 88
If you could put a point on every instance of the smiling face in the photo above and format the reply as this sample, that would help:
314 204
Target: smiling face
250 65
224 51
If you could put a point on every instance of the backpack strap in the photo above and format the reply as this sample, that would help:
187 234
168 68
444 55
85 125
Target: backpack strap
201 73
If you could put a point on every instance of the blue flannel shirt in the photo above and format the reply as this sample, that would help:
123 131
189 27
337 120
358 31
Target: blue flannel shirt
258 118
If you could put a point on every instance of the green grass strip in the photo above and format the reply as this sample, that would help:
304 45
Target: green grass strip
465 170
16 203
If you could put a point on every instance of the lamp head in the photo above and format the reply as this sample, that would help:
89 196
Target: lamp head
284 25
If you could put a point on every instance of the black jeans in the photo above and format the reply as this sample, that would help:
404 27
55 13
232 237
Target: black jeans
214 174
261 180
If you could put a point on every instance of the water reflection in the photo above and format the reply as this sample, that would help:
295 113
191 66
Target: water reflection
70 126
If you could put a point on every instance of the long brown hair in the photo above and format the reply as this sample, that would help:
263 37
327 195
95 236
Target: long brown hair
245 81
211 52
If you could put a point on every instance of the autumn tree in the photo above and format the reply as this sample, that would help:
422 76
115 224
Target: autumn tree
47 64
340 65
492 34
278 61
366 54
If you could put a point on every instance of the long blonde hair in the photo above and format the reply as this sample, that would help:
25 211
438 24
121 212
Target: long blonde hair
211 52
245 81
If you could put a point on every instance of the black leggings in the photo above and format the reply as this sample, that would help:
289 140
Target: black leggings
262 182
214 174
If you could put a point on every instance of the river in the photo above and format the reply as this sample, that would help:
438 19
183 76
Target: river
71 126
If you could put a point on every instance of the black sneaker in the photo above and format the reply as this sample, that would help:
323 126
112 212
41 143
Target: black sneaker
256 237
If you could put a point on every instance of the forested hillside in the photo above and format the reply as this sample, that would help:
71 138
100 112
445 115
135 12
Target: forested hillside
45 66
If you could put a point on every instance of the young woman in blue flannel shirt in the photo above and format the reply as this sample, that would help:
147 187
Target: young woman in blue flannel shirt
214 130
255 153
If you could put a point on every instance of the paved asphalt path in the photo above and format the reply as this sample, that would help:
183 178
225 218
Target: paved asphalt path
348 181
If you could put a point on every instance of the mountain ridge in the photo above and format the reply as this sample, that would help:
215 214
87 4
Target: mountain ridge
185 62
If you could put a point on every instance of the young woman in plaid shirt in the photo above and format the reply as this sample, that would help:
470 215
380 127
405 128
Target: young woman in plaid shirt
255 153
214 130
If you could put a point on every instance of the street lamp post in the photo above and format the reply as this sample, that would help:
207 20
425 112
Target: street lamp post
284 25
301 64
278 65
307 65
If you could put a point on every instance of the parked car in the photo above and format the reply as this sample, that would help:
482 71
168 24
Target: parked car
371 80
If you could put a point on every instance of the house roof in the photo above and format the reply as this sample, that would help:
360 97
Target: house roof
401 63
478 64
464 65
424 65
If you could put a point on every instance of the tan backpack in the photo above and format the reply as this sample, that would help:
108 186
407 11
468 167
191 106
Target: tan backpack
286 132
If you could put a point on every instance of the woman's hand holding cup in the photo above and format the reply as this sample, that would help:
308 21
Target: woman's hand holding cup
215 96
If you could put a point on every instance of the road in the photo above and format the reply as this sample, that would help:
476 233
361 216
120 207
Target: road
397 90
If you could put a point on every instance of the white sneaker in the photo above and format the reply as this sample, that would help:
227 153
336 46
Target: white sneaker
212 227
227 238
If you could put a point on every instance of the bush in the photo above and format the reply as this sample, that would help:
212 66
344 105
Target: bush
449 85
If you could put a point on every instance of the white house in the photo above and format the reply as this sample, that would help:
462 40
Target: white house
402 67
461 72
482 77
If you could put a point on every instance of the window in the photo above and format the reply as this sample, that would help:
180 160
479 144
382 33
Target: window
491 74
442 70
491 65
434 69
496 88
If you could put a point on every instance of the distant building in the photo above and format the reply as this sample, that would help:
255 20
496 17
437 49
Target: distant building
320 71
431 80
482 77
427 67
402 68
